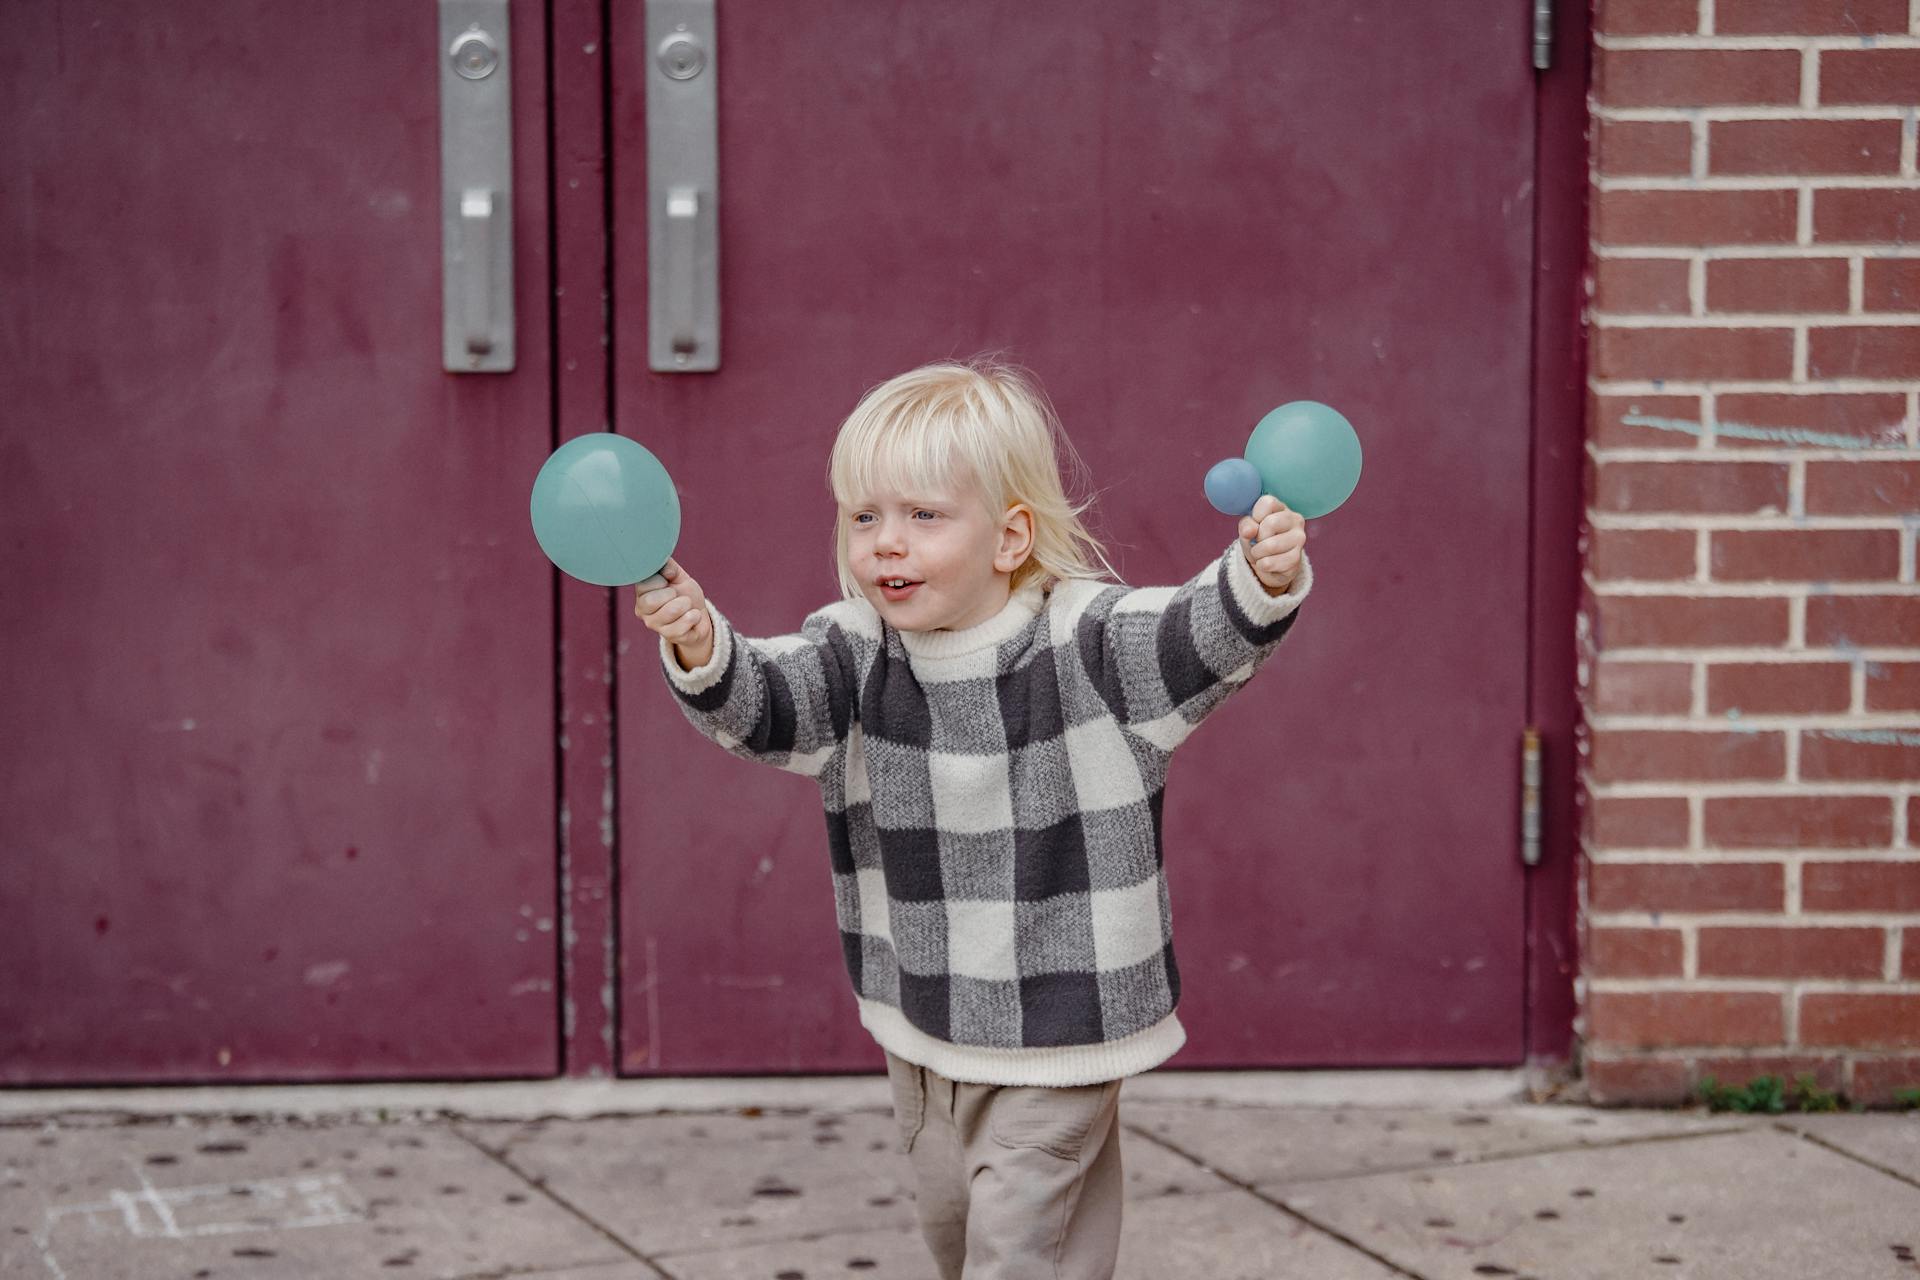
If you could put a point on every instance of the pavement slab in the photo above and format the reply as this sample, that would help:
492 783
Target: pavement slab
656 1182
1733 1206
679 1183
1890 1142
228 1199
1268 1147
1222 1235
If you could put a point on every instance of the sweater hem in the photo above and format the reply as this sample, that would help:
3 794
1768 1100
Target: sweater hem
1060 1067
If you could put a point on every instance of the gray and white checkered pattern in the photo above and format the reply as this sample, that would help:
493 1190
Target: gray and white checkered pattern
993 796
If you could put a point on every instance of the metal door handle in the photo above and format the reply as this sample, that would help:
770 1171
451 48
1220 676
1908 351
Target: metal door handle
476 188
683 200
683 240
476 270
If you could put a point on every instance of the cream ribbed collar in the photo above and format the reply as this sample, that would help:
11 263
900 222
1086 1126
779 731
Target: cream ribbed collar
1020 609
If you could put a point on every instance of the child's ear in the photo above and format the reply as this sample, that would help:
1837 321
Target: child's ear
1016 538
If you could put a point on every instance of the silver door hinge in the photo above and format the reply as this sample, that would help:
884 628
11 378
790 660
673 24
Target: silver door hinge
1542 34
1530 796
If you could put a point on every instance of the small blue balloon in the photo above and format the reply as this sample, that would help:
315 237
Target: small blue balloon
1233 486
605 510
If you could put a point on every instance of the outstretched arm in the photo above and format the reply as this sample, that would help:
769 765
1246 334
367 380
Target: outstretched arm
1166 657
785 701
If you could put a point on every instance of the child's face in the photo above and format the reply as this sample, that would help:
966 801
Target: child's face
946 545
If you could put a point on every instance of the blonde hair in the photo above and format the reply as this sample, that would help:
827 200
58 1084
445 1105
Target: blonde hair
943 424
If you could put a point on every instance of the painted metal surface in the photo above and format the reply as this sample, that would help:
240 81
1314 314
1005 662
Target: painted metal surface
1179 216
277 789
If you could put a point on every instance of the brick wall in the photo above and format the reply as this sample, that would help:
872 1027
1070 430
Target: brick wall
1750 633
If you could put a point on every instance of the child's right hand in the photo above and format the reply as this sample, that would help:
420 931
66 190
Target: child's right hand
672 604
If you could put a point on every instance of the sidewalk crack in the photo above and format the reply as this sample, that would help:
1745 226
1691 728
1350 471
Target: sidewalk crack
540 1185
1304 1219
1786 1126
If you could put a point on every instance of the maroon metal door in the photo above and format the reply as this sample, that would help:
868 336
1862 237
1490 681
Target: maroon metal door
1179 215
278 765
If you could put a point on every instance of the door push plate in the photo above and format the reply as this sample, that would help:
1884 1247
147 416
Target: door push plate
476 187
683 193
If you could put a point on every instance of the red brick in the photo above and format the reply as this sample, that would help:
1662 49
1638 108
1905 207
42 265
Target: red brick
1863 488
1804 555
1827 1071
1644 148
1633 953
1636 1082
1638 822
1648 17
1680 755
1845 755
1686 886
1642 555
1749 952
1691 354
1860 1020
1690 488
1803 147
1910 954
1871 419
1863 351
1890 284
1860 216
1644 285
1879 1082
1777 284
1843 621
1860 886
1699 217
1809 17
1678 417
1696 77
1779 688
1879 76
1642 688
1628 622
1676 1019
1792 822
1894 686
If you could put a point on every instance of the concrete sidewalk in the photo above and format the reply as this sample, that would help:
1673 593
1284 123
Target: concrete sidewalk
1228 1176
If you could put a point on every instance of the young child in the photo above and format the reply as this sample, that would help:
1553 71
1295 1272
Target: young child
990 723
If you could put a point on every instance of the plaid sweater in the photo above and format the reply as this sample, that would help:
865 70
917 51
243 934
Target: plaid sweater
993 800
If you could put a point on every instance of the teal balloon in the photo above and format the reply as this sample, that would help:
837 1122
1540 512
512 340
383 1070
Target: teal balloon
605 510
1308 456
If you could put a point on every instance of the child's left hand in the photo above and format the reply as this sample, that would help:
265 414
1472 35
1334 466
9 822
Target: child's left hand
1273 537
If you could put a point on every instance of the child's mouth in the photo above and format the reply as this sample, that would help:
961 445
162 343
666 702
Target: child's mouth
898 588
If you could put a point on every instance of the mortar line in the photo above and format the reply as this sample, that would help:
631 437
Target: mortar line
1786 1126
1291 1212
540 1185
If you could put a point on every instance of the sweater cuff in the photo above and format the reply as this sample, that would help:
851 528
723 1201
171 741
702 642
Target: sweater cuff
1252 596
708 674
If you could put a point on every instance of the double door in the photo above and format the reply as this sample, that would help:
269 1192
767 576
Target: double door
316 769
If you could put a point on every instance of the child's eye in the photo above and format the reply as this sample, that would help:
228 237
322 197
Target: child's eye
928 514
863 518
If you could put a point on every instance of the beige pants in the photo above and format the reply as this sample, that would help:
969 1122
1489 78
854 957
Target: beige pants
1014 1183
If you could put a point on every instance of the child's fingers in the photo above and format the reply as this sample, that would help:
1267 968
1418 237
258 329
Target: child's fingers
1291 539
1267 506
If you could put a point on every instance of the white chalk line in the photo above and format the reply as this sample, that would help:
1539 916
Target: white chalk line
316 1200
